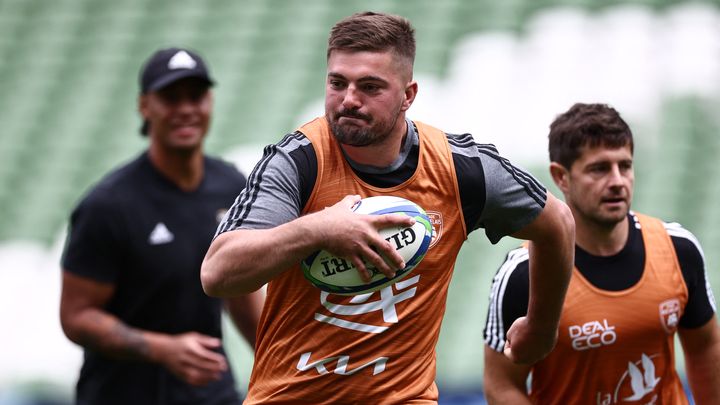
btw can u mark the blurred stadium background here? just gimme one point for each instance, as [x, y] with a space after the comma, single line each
[498, 69]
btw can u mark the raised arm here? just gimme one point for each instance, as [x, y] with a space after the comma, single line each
[242, 261]
[701, 347]
[552, 251]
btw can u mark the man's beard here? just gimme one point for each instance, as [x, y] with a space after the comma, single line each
[355, 136]
[606, 220]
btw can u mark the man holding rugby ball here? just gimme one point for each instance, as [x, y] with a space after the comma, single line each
[317, 347]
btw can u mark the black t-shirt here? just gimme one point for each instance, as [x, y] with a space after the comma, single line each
[613, 273]
[138, 231]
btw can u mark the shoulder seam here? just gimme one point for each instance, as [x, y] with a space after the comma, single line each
[235, 216]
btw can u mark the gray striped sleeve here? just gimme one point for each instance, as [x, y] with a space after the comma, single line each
[514, 198]
[272, 194]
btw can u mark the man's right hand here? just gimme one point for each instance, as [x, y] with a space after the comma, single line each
[355, 237]
[192, 357]
[525, 346]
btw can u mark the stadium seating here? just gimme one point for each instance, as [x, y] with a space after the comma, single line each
[68, 88]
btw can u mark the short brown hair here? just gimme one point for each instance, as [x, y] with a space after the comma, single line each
[370, 31]
[590, 125]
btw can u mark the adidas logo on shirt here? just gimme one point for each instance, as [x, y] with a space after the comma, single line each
[160, 235]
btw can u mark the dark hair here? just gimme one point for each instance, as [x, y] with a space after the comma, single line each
[590, 125]
[370, 31]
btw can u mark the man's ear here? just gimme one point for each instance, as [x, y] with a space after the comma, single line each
[560, 175]
[142, 105]
[411, 90]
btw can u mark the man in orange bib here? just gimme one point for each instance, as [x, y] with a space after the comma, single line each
[379, 348]
[637, 281]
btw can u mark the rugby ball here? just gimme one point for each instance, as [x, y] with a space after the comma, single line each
[339, 276]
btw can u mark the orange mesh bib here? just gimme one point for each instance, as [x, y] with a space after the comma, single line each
[379, 348]
[617, 346]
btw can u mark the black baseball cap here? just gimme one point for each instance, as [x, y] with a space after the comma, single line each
[166, 66]
[169, 65]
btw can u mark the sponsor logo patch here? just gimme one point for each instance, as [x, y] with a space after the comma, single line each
[670, 314]
[591, 335]
[436, 220]
[637, 384]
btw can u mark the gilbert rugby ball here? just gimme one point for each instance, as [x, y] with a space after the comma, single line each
[339, 276]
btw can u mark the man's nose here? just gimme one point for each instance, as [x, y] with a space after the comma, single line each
[615, 177]
[186, 104]
[351, 100]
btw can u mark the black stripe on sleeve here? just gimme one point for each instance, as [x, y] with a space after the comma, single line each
[241, 208]
[534, 189]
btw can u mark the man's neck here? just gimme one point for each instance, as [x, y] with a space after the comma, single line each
[183, 168]
[601, 240]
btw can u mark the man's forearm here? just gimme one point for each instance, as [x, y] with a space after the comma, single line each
[550, 270]
[245, 311]
[551, 260]
[504, 382]
[242, 261]
[96, 330]
[701, 347]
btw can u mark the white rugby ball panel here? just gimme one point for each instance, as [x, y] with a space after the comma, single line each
[379, 205]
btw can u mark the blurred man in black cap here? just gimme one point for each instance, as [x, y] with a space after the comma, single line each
[131, 294]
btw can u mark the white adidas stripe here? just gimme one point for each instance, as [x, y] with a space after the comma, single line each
[676, 230]
[495, 330]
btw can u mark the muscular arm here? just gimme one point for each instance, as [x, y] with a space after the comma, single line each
[551, 247]
[241, 261]
[245, 312]
[701, 347]
[503, 381]
[84, 320]
[87, 324]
